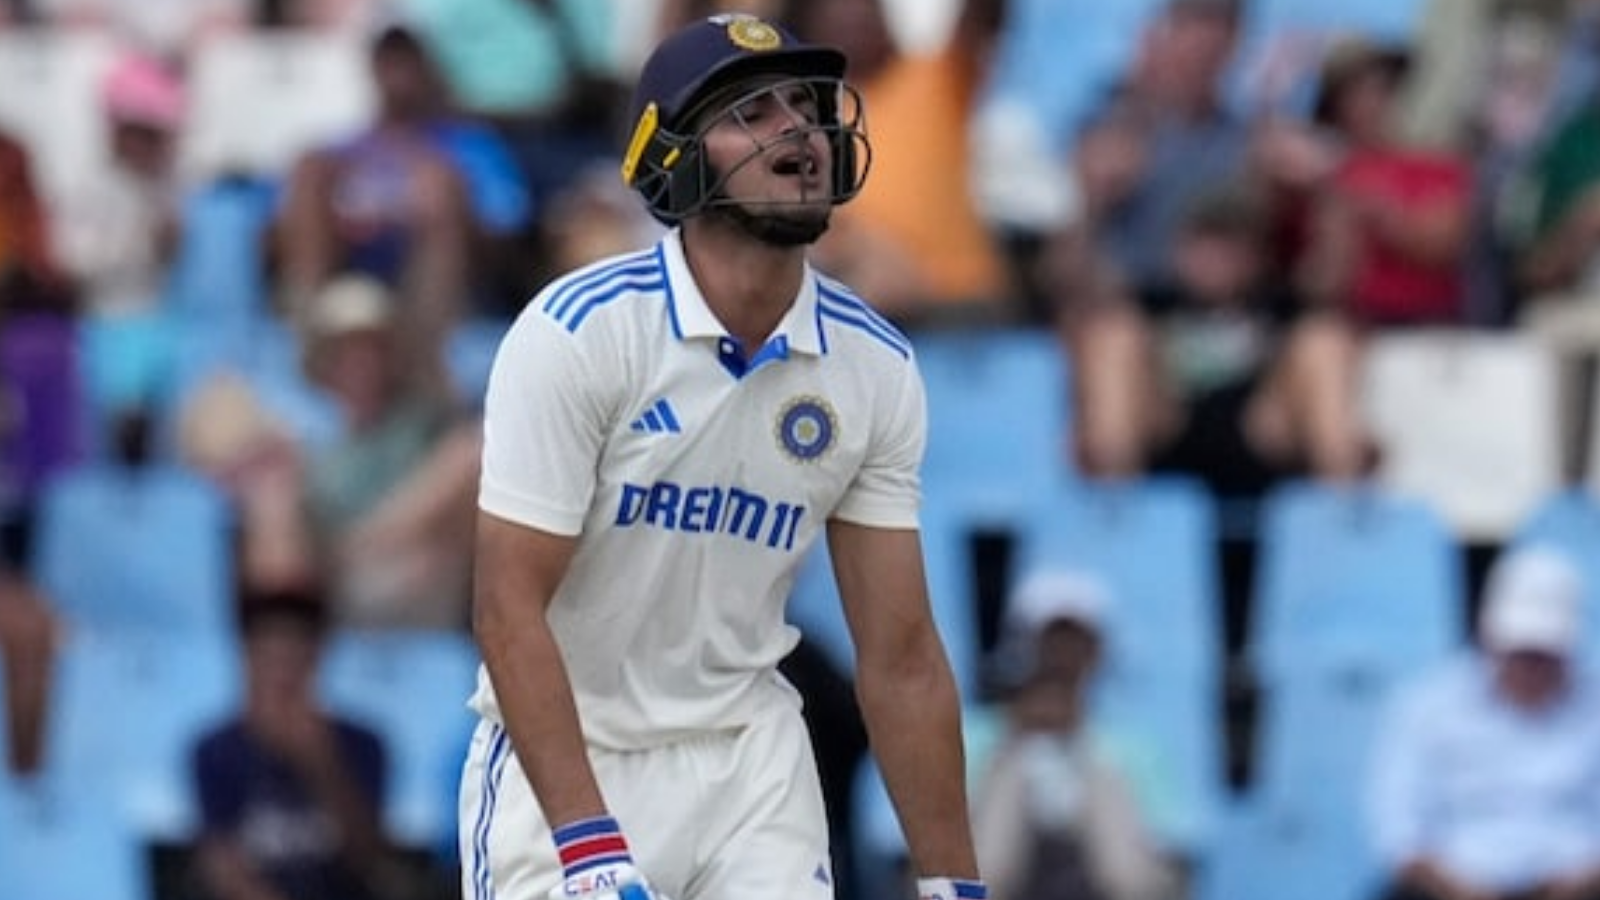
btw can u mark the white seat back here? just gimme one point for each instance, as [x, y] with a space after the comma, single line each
[257, 101]
[1468, 421]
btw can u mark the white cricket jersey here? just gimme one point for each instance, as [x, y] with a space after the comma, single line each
[618, 410]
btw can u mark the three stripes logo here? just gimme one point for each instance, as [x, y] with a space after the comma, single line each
[658, 419]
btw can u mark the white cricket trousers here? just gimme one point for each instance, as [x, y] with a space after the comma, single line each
[732, 815]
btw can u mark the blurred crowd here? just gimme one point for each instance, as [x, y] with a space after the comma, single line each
[269, 244]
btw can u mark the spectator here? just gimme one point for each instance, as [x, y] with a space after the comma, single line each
[914, 239]
[1559, 255]
[118, 227]
[1486, 781]
[391, 203]
[391, 500]
[1457, 42]
[225, 432]
[354, 18]
[290, 795]
[1388, 233]
[542, 72]
[27, 259]
[29, 632]
[1162, 137]
[1211, 373]
[39, 393]
[1056, 813]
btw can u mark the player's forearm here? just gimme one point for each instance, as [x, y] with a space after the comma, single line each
[517, 573]
[913, 718]
[535, 698]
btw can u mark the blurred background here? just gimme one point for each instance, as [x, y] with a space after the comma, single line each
[1275, 320]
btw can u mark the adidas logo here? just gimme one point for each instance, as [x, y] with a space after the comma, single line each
[658, 419]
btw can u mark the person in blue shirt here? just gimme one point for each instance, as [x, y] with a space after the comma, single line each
[1486, 781]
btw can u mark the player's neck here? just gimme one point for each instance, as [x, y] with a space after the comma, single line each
[748, 286]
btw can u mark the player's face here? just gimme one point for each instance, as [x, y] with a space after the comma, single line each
[771, 149]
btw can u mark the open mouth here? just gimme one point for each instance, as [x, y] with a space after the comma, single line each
[795, 164]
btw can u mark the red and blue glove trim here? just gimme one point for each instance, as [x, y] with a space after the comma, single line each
[589, 844]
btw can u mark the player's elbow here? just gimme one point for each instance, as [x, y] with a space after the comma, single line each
[914, 670]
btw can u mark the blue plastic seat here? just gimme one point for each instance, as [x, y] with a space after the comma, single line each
[1354, 575]
[1317, 729]
[218, 277]
[998, 415]
[66, 846]
[1357, 589]
[128, 710]
[469, 354]
[140, 549]
[1393, 20]
[412, 688]
[1153, 542]
[1240, 863]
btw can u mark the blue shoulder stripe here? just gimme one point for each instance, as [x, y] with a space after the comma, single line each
[835, 303]
[569, 301]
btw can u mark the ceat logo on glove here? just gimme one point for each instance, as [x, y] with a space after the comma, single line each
[586, 883]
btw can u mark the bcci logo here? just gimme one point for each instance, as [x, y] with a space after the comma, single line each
[806, 428]
[750, 33]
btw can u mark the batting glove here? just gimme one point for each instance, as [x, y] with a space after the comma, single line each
[951, 889]
[596, 864]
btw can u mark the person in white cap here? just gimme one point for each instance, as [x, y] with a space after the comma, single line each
[1486, 778]
[1055, 814]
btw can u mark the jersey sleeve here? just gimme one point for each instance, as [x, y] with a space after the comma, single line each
[543, 426]
[887, 490]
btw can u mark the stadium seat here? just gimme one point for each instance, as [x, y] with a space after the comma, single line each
[52, 101]
[1317, 728]
[1058, 57]
[1354, 574]
[998, 416]
[139, 549]
[1394, 20]
[1468, 421]
[1154, 542]
[129, 708]
[469, 354]
[412, 688]
[65, 846]
[218, 278]
[1238, 865]
[1570, 520]
[260, 100]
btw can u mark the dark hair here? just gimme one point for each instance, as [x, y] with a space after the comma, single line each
[298, 607]
[1345, 64]
[397, 38]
